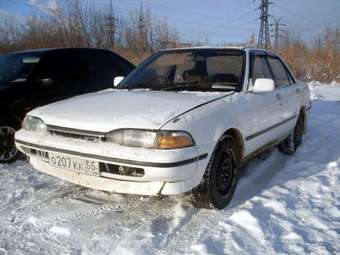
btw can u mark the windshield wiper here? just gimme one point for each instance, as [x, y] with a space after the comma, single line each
[141, 85]
[165, 86]
[176, 86]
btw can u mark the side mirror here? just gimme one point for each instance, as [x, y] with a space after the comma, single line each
[117, 80]
[46, 82]
[263, 85]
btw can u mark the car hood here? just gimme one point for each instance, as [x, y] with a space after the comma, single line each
[113, 109]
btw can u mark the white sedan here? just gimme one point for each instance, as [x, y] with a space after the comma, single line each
[183, 121]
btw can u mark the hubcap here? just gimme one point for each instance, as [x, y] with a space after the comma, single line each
[225, 174]
[7, 146]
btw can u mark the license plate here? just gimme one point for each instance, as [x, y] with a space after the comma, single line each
[79, 165]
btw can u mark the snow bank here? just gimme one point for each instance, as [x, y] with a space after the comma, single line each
[325, 92]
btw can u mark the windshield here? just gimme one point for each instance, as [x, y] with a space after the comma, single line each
[18, 67]
[198, 70]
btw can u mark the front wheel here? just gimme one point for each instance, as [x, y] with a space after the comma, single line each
[8, 151]
[220, 179]
[294, 140]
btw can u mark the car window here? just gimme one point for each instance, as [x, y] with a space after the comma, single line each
[79, 66]
[260, 69]
[279, 72]
[199, 70]
[290, 76]
[125, 66]
[101, 65]
[17, 67]
[62, 66]
[225, 70]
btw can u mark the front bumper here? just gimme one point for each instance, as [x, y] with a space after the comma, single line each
[164, 172]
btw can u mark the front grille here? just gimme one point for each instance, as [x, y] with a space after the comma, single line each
[90, 138]
[77, 134]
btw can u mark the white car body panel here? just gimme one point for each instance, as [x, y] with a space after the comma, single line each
[134, 108]
[259, 118]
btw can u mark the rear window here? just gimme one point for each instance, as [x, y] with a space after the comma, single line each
[101, 65]
[15, 68]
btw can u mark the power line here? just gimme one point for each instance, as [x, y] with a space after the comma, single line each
[243, 15]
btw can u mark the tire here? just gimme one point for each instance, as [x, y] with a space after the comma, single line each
[8, 151]
[294, 140]
[220, 178]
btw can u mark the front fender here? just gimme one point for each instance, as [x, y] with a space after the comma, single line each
[210, 122]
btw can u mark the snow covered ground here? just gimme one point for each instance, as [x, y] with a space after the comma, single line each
[283, 205]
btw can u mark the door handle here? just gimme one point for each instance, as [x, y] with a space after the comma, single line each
[278, 96]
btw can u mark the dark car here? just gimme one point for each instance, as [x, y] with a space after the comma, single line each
[37, 77]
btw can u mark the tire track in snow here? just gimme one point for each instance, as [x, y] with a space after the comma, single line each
[76, 215]
[40, 228]
[140, 213]
[45, 202]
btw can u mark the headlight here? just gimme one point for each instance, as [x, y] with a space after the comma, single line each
[34, 124]
[151, 139]
[133, 138]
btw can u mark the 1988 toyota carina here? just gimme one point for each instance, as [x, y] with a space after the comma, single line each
[183, 121]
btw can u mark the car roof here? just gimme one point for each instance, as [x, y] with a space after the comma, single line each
[26, 51]
[45, 50]
[218, 48]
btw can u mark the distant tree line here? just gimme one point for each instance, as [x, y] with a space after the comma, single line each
[139, 34]
[75, 24]
[319, 61]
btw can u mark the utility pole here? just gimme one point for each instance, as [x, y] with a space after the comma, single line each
[319, 43]
[142, 36]
[110, 26]
[277, 29]
[264, 37]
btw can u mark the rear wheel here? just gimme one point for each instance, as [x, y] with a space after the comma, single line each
[219, 181]
[294, 140]
[8, 151]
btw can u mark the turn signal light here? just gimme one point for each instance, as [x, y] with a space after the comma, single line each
[173, 140]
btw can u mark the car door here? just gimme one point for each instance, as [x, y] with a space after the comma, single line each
[265, 106]
[287, 93]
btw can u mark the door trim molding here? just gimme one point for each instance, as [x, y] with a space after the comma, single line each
[270, 128]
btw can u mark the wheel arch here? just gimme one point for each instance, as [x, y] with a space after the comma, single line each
[201, 194]
[236, 134]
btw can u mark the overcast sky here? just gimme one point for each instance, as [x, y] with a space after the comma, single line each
[215, 20]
